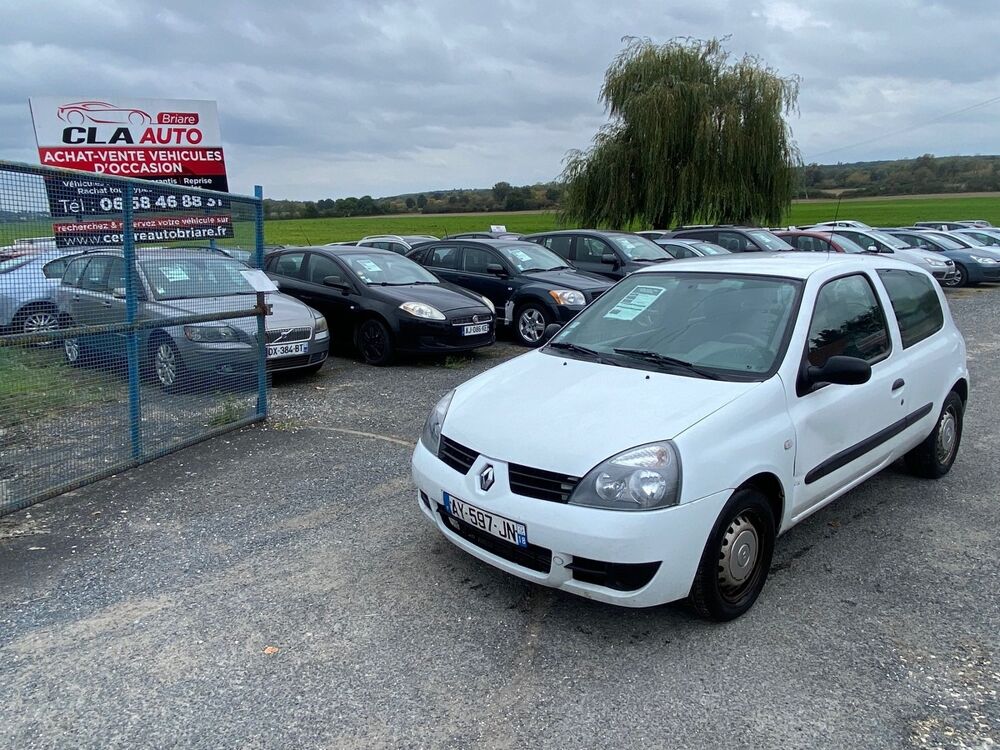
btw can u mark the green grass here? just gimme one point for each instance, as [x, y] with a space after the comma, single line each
[35, 383]
[899, 211]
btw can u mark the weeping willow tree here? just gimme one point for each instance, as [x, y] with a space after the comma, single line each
[692, 135]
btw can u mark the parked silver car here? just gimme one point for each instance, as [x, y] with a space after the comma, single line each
[176, 283]
[876, 241]
[27, 291]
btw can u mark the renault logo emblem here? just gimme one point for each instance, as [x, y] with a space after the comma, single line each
[486, 478]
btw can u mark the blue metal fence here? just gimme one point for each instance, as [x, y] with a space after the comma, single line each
[130, 324]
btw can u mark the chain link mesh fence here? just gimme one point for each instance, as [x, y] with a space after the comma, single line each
[130, 324]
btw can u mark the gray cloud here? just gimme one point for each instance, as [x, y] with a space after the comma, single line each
[328, 99]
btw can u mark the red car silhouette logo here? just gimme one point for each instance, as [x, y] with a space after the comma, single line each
[102, 113]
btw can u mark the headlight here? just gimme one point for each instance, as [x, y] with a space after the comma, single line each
[935, 262]
[981, 259]
[641, 478]
[431, 436]
[489, 304]
[568, 297]
[420, 310]
[320, 324]
[210, 334]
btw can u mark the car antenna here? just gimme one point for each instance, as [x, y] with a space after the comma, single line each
[833, 227]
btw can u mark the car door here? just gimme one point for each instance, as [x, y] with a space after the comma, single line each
[588, 255]
[475, 276]
[445, 261]
[845, 432]
[339, 305]
[288, 270]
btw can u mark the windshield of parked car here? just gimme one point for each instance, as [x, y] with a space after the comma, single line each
[889, 240]
[639, 248]
[386, 269]
[12, 263]
[707, 248]
[848, 245]
[527, 256]
[195, 277]
[722, 326]
[946, 243]
[769, 240]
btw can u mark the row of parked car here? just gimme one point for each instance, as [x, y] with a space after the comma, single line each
[389, 294]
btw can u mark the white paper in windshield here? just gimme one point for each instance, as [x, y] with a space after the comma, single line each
[369, 265]
[521, 256]
[174, 273]
[635, 302]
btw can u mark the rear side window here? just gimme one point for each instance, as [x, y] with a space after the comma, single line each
[848, 320]
[54, 269]
[915, 303]
[560, 245]
[74, 271]
[289, 264]
[443, 257]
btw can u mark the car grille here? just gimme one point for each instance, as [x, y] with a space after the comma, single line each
[532, 557]
[541, 484]
[466, 320]
[456, 455]
[287, 336]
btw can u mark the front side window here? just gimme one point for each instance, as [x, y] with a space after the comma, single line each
[95, 277]
[847, 320]
[74, 271]
[915, 304]
[735, 242]
[590, 250]
[477, 259]
[721, 326]
[320, 267]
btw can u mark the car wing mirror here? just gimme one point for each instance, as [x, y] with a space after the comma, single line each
[337, 283]
[840, 370]
[550, 330]
[610, 258]
[496, 269]
[118, 292]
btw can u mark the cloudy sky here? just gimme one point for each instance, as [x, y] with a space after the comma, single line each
[320, 98]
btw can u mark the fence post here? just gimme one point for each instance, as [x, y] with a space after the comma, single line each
[258, 192]
[131, 310]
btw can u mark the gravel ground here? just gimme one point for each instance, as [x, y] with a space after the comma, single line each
[277, 587]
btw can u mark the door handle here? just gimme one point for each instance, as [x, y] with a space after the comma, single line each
[898, 384]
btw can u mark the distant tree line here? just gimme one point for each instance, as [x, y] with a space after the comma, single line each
[925, 174]
[501, 197]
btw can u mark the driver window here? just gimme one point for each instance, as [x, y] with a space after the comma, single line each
[320, 267]
[476, 259]
[590, 250]
[848, 320]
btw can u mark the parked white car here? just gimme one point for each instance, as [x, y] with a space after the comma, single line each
[657, 445]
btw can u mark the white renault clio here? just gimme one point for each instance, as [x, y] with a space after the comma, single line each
[657, 445]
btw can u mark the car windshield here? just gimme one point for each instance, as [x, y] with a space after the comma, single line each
[12, 263]
[385, 269]
[190, 278]
[722, 326]
[848, 245]
[889, 240]
[707, 248]
[947, 243]
[638, 248]
[769, 240]
[527, 256]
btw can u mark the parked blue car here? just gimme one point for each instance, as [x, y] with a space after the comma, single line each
[27, 291]
[973, 265]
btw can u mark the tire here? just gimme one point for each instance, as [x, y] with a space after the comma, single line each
[962, 279]
[529, 324]
[374, 342]
[736, 559]
[37, 319]
[166, 364]
[933, 458]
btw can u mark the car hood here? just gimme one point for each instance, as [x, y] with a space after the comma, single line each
[286, 312]
[568, 415]
[443, 297]
[569, 278]
[917, 255]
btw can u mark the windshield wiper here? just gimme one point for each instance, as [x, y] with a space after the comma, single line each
[663, 359]
[400, 283]
[577, 349]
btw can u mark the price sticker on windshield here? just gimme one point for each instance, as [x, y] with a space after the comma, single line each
[634, 303]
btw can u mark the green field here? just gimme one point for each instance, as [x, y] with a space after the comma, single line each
[877, 212]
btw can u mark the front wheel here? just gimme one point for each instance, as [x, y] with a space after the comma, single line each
[736, 559]
[167, 365]
[933, 458]
[375, 342]
[530, 322]
[961, 277]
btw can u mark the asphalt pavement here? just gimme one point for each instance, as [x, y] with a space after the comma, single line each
[277, 587]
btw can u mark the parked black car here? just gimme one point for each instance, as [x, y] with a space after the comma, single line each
[384, 302]
[735, 239]
[530, 286]
[611, 254]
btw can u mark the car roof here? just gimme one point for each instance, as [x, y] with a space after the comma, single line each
[346, 250]
[787, 264]
[492, 242]
[598, 232]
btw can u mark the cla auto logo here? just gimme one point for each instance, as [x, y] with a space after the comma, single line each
[486, 478]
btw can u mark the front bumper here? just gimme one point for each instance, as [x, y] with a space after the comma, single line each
[943, 274]
[565, 540]
[416, 335]
[979, 272]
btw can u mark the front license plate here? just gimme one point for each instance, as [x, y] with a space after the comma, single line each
[476, 330]
[498, 526]
[287, 350]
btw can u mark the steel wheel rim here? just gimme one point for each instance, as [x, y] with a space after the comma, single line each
[40, 322]
[739, 557]
[71, 347]
[531, 324]
[372, 342]
[166, 364]
[947, 435]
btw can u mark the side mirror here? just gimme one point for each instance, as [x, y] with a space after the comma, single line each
[496, 269]
[550, 330]
[337, 283]
[610, 258]
[118, 292]
[839, 370]
[872, 249]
